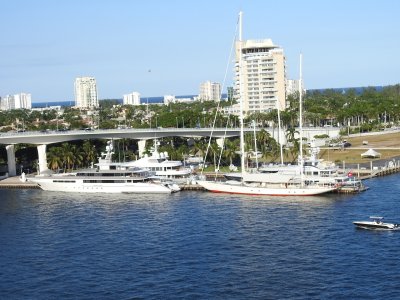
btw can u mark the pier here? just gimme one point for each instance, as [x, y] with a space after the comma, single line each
[380, 169]
[15, 183]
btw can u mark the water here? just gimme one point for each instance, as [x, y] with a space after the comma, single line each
[198, 245]
[143, 100]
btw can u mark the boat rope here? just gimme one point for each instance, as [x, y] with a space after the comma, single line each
[218, 106]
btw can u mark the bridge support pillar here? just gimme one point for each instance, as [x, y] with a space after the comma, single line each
[141, 146]
[42, 158]
[12, 171]
[220, 142]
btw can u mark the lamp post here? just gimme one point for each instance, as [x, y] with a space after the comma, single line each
[176, 122]
[183, 123]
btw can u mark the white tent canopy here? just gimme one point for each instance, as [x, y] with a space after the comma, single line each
[370, 153]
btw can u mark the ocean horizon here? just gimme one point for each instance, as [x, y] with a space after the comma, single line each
[160, 99]
[144, 100]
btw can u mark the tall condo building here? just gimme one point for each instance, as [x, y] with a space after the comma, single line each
[210, 91]
[292, 86]
[263, 75]
[132, 99]
[17, 101]
[86, 92]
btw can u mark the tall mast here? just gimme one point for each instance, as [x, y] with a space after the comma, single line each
[279, 131]
[301, 119]
[241, 96]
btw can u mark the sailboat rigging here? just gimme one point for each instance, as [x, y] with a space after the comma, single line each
[261, 183]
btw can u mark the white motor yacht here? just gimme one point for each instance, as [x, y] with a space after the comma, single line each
[107, 177]
[164, 170]
[376, 224]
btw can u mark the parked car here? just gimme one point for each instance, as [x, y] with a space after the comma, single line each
[346, 144]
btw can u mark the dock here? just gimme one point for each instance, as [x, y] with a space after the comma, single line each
[15, 183]
[390, 167]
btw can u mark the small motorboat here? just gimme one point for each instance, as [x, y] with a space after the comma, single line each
[376, 223]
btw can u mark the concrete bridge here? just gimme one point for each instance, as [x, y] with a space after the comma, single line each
[44, 138]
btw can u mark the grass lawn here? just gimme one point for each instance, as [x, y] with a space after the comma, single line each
[387, 144]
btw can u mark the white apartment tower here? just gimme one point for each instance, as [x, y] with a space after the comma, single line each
[262, 75]
[292, 86]
[17, 101]
[132, 99]
[23, 100]
[210, 91]
[86, 92]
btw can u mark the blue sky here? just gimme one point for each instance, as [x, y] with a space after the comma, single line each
[46, 44]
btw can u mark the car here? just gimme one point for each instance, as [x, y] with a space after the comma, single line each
[346, 144]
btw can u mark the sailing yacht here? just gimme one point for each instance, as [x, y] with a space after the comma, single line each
[265, 183]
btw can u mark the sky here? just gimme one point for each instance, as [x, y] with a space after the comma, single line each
[159, 47]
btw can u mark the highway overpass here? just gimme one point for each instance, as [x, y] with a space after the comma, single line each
[43, 138]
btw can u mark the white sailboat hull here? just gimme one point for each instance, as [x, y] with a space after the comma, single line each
[276, 190]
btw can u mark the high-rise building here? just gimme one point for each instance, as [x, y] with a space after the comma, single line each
[17, 101]
[132, 99]
[86, 92]
[292, 86]
[263, 75]
[210, 91]
[23, 100]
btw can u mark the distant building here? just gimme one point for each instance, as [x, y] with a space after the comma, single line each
[132, 99]
[17, 101]
[86, 92]
[232, 110]
[230, 93]
[263, 75]
[5, 102]
[184, 100]
[292, 86]
[169, 99]
[210, 91]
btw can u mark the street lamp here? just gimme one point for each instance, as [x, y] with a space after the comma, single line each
[183, 123]
[176, 122]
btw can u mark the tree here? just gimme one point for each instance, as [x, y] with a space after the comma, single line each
[89, 153]
[53, 158]
[231, 148]
[295, 142]
[68, 156]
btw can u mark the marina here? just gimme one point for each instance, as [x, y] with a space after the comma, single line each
[158, 246]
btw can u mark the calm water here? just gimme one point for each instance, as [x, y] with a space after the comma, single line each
[197, 245]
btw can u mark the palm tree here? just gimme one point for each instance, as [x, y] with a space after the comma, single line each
[78, 156]
[53, 158]
[295, 142]
[199, 147]
[216, 150]
[231, 148]
[67, 153]
[89, 154]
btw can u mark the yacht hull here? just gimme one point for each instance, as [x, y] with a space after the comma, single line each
[77, 185]
[376, 226]
[277, 190]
